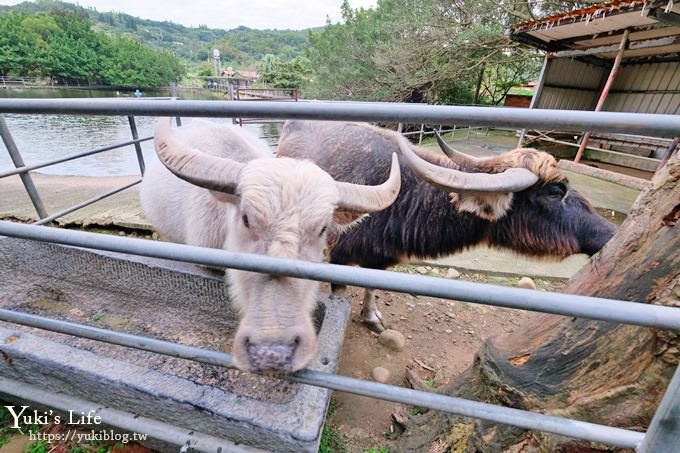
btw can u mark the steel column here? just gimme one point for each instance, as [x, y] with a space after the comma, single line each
[18, 161]
[173, 95]
[657, 125]
[138, 146]
[486, 411]
[663, 435]
[85, 203]
[27, 168]
[639, 314]
[605, 91]
[537, 94]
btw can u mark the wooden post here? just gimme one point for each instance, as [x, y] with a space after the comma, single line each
[605, 91]
[537, 94]
[669, 152]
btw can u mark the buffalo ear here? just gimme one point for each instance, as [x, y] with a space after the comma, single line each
[488, 206]
[225, 197]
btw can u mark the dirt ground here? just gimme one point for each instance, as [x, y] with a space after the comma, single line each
[441, 339]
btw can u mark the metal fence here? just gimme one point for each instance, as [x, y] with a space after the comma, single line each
[664, 431]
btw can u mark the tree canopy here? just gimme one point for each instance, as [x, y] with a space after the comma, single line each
[423, 51]
[63, 45]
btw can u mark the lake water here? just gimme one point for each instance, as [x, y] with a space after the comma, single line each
[45, 137]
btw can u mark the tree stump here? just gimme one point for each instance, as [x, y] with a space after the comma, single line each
[588, 370]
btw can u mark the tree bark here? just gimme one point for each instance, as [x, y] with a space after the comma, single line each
[594, 371]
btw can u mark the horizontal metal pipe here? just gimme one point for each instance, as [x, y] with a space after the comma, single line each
[562, 304]
[499, 414]
[194, 441]
[27, 168]
[73, 208]
[629, 123]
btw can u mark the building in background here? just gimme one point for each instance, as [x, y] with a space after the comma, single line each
[620, 56]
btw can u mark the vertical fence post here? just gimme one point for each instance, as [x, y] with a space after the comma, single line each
[138, 146]
[18, 161]
[663, 435]
[173, 95]
[422, 130]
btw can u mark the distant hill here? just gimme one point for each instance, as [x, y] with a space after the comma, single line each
[241, 46]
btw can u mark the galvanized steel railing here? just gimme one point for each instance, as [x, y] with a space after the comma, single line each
[664, 431]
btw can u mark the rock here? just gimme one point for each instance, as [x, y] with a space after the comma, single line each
[154, 236]
[121, 233]
[452, 273]
[448, 331]
[392, 339]
[380, 374]
[527, 283]
[421, 270]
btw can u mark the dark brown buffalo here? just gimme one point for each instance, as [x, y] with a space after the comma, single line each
[462, 204]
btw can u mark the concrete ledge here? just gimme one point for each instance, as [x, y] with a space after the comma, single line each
[622, 159]
[606, 175]
[152, 298]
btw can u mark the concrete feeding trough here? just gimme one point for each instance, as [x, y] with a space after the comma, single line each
[164, 300]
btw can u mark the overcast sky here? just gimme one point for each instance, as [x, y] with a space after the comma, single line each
[227, 14]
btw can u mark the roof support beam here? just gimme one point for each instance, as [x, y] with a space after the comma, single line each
[605, 91]
[635, 45]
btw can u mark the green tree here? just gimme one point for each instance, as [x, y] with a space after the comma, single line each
[63, 45]
[412, 50]
[284, 74]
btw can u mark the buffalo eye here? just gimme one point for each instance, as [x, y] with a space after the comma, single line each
[323, 230]
[556, 190]
[245, 221]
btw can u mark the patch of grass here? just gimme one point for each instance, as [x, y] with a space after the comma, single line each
[6, 429]
[79, 450]
[38, 447]
[416, 411]
[378, 450]
[429, 383]
[332, 441]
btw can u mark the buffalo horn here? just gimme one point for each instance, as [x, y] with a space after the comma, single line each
[361, 198]
[461, 159]
[196, 167]
[511, 180]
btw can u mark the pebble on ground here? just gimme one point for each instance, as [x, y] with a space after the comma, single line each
[392, 339]
[380, 374]
[527, 283]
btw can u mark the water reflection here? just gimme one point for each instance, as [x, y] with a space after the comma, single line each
[46, 137]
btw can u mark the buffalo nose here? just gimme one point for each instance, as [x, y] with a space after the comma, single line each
[271, 356]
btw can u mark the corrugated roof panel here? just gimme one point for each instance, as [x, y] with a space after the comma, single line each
[643, 35]
[597, 25]
[567, 99]
[573, 73]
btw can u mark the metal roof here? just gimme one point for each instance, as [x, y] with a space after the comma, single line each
[654, 26]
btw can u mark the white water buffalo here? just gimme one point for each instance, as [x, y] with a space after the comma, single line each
[220, 187]
[517, 200]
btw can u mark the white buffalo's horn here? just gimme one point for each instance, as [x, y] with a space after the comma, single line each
[459, 158]
[360, 198]
[196, 167]
[511, 180]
